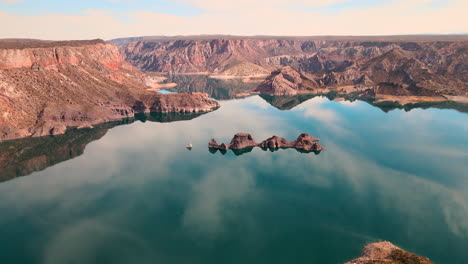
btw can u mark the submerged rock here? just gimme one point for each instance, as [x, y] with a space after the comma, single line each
[241, 141]
[386, 252]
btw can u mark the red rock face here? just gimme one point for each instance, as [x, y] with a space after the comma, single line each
[413, 67]
[52, 58]
[46, 87]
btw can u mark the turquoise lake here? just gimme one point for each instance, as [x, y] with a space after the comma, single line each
[130, 192]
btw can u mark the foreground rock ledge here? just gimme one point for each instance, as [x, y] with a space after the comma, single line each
[387, 253]
[304, 142]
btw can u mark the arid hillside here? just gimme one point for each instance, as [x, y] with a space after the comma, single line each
[47, 86]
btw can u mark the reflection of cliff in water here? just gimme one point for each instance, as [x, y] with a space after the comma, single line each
[239, 152]
[24, 156]
[167, 117]
[288, 102]
[220, 89]
[236, 152]
[389, 106]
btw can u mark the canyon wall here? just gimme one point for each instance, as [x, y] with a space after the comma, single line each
[47, 86]
[394, 66]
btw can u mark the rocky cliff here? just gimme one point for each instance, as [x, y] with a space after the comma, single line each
[47, 86]
[393, 65]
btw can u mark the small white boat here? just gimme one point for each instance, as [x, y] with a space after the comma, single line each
[189, 146]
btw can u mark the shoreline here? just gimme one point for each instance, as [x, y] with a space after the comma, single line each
[159, 86]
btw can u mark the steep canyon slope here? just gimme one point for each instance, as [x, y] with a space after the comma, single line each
[47, 86]
[399, 65]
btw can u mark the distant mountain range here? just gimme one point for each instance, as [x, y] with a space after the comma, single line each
[423, 64]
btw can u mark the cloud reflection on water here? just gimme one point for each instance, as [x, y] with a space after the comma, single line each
[137, 170]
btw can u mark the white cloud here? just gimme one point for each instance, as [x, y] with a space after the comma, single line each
[244, 5]
[397, 17]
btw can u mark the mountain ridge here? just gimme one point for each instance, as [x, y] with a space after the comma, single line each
[438, 65]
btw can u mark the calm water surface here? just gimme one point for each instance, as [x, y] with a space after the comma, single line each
[130, 192]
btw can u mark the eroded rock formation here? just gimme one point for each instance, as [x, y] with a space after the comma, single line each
[48, 86]
[242, 141]
[387, 253]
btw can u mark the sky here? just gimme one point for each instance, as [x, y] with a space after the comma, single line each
[109, 19]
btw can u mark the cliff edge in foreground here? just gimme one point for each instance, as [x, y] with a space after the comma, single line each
[48, 86]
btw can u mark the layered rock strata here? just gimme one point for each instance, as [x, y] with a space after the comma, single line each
[48, 86]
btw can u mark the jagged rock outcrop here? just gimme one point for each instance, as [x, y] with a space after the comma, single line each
[240, 141]
[287, 81]
[213, 144]
[307, 143]
[412, 65]
[276, 142]
[387, 253]
[304, 142]
[48, 86]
